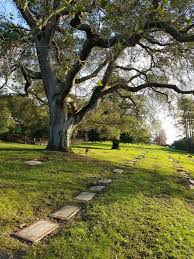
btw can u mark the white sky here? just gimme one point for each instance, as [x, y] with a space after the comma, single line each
[168, 124]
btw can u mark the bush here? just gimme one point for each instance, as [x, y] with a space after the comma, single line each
[184, 144]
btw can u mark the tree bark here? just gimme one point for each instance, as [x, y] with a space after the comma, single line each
[60, 128]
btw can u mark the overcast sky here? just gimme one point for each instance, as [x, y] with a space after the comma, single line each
[168, 124]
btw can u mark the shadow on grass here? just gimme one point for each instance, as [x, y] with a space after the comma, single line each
[21, 149]
[155, 185]
[133, 182]
[17, 255]
[91, 146]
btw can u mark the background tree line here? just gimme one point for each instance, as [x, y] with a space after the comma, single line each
[118, 119]
[185, 122]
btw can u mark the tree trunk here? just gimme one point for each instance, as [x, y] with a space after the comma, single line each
[115, 144]
[60, 128]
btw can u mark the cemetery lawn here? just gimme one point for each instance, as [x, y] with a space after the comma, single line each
[146, 212]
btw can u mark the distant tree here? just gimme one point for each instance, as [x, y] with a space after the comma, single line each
[182, 144]
[6, 120]
[139, 135]
[32, 117]
[118, 115]
[160, 138]
[23, 115]
[185, 116]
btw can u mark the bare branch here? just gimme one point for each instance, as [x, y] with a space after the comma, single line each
[110, 68]
[54, 16]
[123, 84]
[135, 69]
[156, 42]
[76, 23]
[58, 52]
[150, 53]
[30, 73]
[92, 104]
[93, 74]
[26, 13]
[158, 92]
[84, 54]
[176, 34]
[127, 97]
[37, 97]
[28, 76]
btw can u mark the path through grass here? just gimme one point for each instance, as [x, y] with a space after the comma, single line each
[147, 212]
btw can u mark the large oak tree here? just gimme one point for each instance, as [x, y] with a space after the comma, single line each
[97, 48]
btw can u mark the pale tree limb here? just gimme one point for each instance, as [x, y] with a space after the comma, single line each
[28, 76]
[30, 73]
[38, 98]
[157, 42]
[26, 13]
[93, 74]
[147, 85]
[176, 34]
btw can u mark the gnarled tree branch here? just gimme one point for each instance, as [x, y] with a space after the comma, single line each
[176, 34]
[93, 74]
[26, 13]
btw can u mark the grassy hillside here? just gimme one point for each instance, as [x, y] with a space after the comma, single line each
[147, 212]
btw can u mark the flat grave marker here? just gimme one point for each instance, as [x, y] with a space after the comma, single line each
[66, 212]
[85, 196]
[117, 170]
[33, 162]
[183, 173]
[97, 188]
[105, 181]
[179, 170]
[191, 181]
[130, 162]
[36, 231]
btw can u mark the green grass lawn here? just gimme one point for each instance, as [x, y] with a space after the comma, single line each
[147, 212]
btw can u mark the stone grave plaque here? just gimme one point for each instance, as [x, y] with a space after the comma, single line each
[97, 188]
[33, 162]
[191, 181]
[65, 212]
[184, 174]
[117, 170]
[36, 231]
[85, 196]
[105, 181]
[179, 169]
[130, 162]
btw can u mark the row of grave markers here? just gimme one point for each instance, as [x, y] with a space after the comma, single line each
[41, 228]
[183, 172]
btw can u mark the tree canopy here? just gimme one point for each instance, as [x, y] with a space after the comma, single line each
[96, 48]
